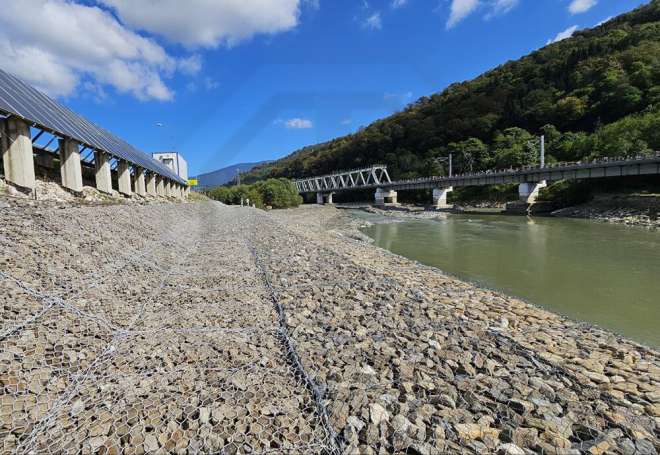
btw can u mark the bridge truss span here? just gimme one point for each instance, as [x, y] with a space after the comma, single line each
[367, 177]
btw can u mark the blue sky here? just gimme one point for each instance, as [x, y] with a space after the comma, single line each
[225, 82]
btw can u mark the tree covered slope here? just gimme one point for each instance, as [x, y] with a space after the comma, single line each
[595, 94]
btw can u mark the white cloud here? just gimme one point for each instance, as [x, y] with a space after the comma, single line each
[399, 3]
[564, 34]
[459, 10]
[209, 23]
[59, 46]
[313, 4]
[298, 123]
[499, 7]
[581, 6]
[191, 65]
[346, 121]
[374, 21]
[607, 19]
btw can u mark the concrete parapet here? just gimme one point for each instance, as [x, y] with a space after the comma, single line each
[124, 172]
[440, 197]
[103, 172]
[17, 153]
[70, 168]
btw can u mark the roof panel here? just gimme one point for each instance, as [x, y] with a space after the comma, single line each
[21, 99]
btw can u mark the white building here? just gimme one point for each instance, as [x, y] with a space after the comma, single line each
[174, 161]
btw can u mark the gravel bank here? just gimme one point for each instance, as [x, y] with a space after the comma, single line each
[415, 360]
[199, 328]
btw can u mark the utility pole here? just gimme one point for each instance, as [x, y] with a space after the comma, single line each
[542, 151]
[450, 164]
[238, 177]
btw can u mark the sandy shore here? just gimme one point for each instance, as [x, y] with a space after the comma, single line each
[199, 328]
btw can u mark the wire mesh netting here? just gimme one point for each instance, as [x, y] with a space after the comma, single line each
[150, 333]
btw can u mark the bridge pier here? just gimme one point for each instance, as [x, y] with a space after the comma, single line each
[382, 197]
[529, 192]
[324, 198]
[440, 197]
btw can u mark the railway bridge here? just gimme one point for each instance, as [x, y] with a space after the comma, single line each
[529, 179]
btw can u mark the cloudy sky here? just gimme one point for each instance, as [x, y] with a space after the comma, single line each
[228, 81]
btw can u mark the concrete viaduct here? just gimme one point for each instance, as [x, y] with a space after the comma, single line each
[84, 150]
[529, 179]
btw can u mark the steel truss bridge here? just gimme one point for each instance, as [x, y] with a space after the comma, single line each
[377, 177]
[373, 176]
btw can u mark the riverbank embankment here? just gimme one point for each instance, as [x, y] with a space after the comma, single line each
[413, 358]
[202, 328]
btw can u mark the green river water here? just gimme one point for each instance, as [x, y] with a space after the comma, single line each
[601, 273]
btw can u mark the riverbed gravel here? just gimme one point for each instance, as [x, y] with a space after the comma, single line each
[202, 328]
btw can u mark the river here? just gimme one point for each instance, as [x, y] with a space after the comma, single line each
[601, 273]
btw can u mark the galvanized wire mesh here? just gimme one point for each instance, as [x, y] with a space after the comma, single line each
[148, 330]
[418, 362]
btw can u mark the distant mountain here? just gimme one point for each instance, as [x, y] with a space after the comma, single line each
[225, 175]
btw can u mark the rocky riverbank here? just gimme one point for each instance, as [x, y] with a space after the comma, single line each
[201, 328]
[630, 210]
[415, 360]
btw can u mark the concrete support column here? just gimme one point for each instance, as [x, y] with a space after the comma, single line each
[140, 183]
[151, 184]
[319, 198]
[70, 168]
[440, 197]
[103, 172]
[17, 154]
[124, 172]
[328, 198]
[160, 186]
[168, 188]
[529, 192]
[382, 196]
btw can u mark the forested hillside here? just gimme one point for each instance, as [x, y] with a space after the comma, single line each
[595, 94]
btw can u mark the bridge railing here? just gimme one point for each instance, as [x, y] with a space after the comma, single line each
[490, 172]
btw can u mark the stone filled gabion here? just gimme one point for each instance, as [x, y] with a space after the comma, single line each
[201, 328]
[143, 330]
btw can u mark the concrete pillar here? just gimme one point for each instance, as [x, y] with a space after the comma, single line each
[319, 198]
[140, 184]
[328, 198]
[70, 168]
[529, 192]
[103, 173]
[382, 195]
[440, 197]
[160, 186]
[17, 154]
[124, 172]
[187, 191]
[151, 184]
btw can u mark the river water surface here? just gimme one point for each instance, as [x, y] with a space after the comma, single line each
[601, 273]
